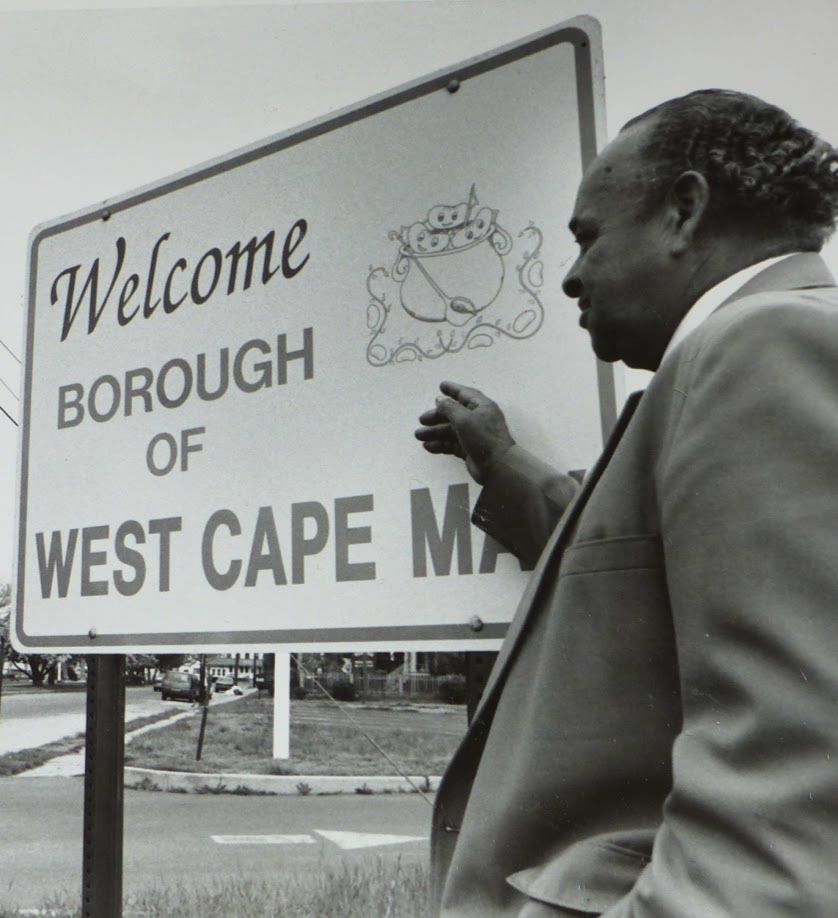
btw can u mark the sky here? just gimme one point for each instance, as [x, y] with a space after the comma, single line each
[100, 100]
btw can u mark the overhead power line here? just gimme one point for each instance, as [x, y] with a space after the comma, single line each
[9, 389]
[9, 350]
[9, 416]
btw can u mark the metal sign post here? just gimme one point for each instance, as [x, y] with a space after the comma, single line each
[479, 664]
[205, 700]
[103, 787]
[282, 705]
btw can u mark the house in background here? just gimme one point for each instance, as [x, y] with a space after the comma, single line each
[227, 665]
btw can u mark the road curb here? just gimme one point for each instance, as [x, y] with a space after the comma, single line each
[299, 785]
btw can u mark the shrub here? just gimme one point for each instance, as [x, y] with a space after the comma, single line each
[344, 691]
[452, 690]
[242, 790]
[298, 692]
[146, 784]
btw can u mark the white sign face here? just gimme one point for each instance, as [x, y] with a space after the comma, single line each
[224, 371]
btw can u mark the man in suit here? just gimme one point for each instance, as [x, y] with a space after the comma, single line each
[659, 735]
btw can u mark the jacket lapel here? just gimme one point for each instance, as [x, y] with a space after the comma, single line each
[552, 553]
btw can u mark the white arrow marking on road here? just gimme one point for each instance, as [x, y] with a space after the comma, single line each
[350, 840]
[263, 839]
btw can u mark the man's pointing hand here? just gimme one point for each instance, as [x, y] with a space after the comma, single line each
[467, 424]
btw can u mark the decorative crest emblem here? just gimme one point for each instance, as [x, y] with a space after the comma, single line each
[450, 286]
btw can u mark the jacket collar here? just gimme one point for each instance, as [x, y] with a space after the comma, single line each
[797, 272]
[780, 272]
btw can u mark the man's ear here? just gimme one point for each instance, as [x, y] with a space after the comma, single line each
[689, 198]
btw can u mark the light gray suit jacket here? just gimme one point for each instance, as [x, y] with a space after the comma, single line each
[659, 736]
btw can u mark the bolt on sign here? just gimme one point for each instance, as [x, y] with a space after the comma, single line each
[224, 371]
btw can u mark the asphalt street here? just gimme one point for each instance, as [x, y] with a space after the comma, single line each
[37, 702]
[173, 838]
[33, 718]
[186, 838]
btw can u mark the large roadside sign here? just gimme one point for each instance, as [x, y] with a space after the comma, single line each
[223, 371]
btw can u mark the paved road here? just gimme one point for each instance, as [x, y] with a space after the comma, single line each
[23, 705]
[168, 837]
[35, 718]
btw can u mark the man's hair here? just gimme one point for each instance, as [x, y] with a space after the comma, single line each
[765, 171]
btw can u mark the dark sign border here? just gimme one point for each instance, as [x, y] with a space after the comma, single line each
[573, 34]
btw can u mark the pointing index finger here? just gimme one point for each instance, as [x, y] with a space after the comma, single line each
[465, 395]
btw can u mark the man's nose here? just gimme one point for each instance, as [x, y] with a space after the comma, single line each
[571, 285]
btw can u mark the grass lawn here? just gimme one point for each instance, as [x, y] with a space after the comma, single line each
[239, 739]
[371, 889]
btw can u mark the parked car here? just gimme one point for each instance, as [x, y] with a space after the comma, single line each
[180, 685]
[224, 685]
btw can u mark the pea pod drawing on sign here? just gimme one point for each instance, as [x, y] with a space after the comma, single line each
[459, 280]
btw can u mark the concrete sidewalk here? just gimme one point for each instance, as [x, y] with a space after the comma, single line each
[31, 732]
[71, 764]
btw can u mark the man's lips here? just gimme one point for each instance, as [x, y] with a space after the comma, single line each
[585, 307]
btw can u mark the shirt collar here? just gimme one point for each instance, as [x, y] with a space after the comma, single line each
[710, 301]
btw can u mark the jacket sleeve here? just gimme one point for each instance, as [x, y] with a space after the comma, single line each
[521, 502]
[748, 495]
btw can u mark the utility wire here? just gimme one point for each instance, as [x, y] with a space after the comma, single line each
[10, 390]
[10, 351]
[358, 727]
[9, 416]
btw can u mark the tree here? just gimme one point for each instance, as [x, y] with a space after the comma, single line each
[447, 664]
[166, 661]
[387, 661]
[137, 666]
[39, 667]
[5, 609]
